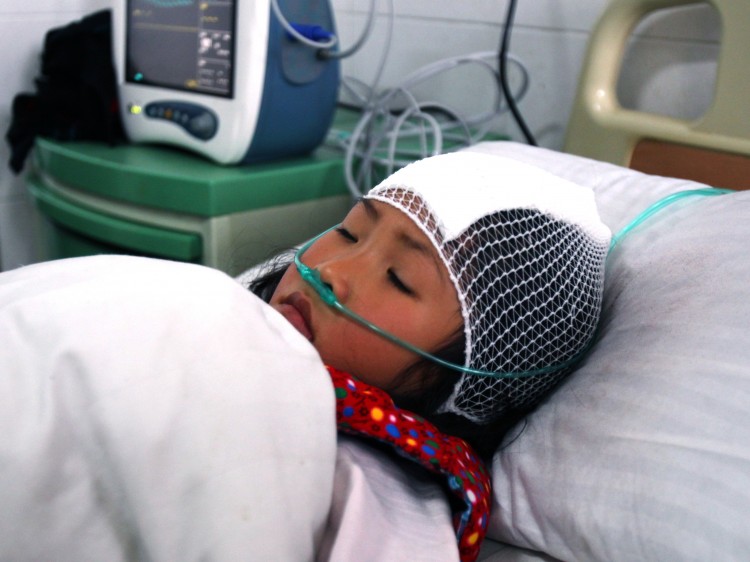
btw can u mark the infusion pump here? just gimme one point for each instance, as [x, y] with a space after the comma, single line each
[223, 78]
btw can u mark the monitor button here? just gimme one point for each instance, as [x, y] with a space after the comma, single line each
[203, 125]
[197, 120]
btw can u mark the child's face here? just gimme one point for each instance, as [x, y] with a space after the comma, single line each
[381, 266]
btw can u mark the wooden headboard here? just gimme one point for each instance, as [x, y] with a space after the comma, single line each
[714, 149]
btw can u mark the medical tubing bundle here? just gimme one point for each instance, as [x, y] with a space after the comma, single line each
[372, 148]
[373, 144]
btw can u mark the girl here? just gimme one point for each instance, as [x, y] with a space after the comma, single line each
[465, 286]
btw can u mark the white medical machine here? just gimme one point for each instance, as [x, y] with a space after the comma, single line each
[224, 78]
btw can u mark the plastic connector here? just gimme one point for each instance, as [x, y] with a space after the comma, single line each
[312, 32]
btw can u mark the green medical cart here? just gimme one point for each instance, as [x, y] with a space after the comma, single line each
[161, 202]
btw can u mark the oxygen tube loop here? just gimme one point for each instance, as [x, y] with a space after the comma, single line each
[324, 291]
[312, 277]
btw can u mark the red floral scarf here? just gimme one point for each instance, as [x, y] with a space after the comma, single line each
[367, 411]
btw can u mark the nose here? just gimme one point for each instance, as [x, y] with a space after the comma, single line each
[338, 273]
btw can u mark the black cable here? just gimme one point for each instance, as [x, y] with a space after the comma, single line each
[503, 68]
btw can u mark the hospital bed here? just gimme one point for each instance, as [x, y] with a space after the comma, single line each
[643, 453]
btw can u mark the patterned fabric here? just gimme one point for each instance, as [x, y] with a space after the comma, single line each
[367, 411]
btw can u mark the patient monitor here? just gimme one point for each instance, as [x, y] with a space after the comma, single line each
[224, 78]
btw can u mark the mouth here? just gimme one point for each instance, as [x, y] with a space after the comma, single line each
[296, 309]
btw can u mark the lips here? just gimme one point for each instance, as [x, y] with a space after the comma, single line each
[296, 309]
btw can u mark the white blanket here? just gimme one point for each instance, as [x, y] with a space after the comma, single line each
[153, 410]
[157, 411]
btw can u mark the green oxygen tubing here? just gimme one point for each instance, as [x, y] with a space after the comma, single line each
[324, 291]
[312, 277]
[659, 205]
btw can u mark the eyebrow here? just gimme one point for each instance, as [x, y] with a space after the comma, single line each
[410, 242]
[372, 212]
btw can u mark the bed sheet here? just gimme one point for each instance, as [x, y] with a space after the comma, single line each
[494, 551]
[385, 508]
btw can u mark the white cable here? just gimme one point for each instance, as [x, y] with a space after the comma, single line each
[377, 125]
[386, 50]
[359, 42]
[433, 126]
[349, 83]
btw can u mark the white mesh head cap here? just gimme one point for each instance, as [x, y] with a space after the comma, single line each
[525, 251]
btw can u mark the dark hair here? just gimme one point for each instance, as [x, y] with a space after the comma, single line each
[264, 284]
[435, 383]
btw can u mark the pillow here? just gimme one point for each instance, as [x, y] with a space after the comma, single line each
[644, 452]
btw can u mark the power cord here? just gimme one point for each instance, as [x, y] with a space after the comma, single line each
[503, 57]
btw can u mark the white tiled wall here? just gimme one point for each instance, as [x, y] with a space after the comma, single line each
[670, 69]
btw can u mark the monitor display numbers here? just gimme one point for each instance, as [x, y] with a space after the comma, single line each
[181, 44]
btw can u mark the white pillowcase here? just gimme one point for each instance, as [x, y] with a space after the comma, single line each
[644, 452]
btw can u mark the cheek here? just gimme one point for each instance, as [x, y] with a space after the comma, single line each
[364, 354]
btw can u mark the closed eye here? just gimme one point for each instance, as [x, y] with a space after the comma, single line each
[396, 282]
[346, 234]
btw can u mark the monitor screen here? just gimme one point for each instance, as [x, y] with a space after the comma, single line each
[182, 44]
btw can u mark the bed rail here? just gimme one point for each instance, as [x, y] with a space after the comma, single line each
[713, 149]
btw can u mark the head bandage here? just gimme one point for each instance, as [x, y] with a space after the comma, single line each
[525, 251]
